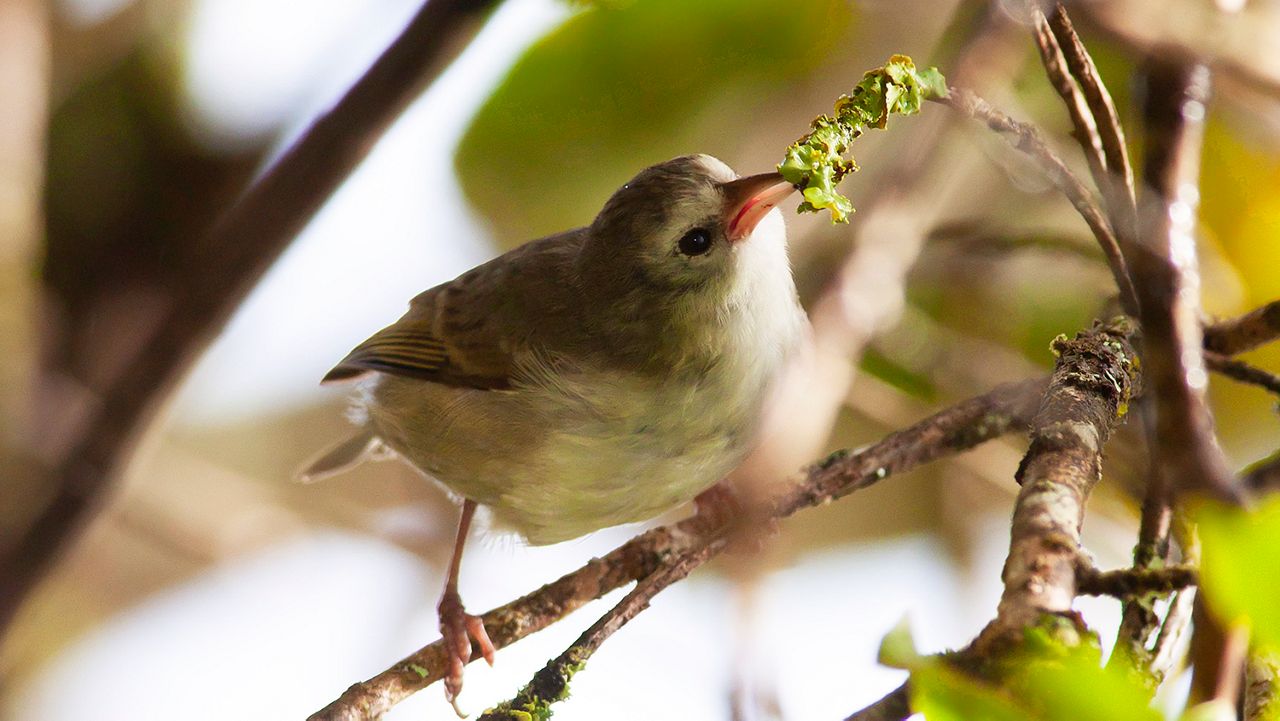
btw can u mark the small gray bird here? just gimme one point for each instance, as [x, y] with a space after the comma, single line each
[600, 376]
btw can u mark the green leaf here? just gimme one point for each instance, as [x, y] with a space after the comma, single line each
[1078, 688]
[816, 162]
[942, 694]
[898, 648]
[1240, 571]
[1048, 678]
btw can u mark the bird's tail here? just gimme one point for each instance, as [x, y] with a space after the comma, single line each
[341, 458]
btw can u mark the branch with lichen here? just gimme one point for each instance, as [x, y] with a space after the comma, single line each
[960, 427]
[1095, 377]
[816, 163]
[1094, 380]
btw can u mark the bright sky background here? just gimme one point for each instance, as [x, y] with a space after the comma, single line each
[271, 635]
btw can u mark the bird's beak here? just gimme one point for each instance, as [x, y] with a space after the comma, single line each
[747, 200]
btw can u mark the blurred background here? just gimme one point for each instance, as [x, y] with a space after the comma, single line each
[213, 587]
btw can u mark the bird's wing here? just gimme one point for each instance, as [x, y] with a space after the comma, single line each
[470, 331]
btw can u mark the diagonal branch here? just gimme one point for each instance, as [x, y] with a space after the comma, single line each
[1055, 67]
[1240, 371]
[1106, 119]
[1093, 382]
[236, 252]
[960, 427]
[551, 683]
[1026, 139]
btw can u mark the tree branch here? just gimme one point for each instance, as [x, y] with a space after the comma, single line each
[1264, 476]
[1093, 382]
[1103, 109]
[1026, 139]
[955, 429]
[1168, 283]
[1129, 582]
[1237, 335]
[1086, 129]
[1243, 372]
[551, 683]
[236, 251]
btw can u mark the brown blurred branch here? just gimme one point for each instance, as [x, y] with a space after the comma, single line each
[233, 255]
[957, 428]
[1237, 335]
[1128, 582]
[1026, 138]
[24, 55]
[1169, 283]
[1264, 476]
[1243, 372]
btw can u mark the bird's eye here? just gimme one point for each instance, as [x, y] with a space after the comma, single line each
[695, 242]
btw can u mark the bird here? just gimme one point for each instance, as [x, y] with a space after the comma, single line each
[599, 376]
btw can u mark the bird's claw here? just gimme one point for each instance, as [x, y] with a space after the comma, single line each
[458, 628]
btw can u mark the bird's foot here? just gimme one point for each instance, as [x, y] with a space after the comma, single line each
[458, 628]
[718, 506]
[748, 527]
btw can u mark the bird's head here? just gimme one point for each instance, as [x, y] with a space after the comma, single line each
[688, 224]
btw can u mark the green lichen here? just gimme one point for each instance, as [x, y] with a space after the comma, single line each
[816, 163]
[549, 686]
[422, 672]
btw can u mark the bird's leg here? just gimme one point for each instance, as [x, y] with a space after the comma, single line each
[457, 627]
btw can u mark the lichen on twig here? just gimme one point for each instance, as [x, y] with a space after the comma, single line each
[816, 163]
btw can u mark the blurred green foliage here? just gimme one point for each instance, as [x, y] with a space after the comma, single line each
[1045, 679]
[617, 88]
[1240, 571]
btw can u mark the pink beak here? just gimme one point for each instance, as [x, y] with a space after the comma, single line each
[749, 199]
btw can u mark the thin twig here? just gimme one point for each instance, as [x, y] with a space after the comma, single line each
[236, 252]
[1139, 622]
[1263, 477]
[1237, 335]
[1240, 371]
[551, 683]
[958, 428]
[1127, 582]
[1086, 130]
[1106, 120]
[1026, 138]
[1174, 628]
